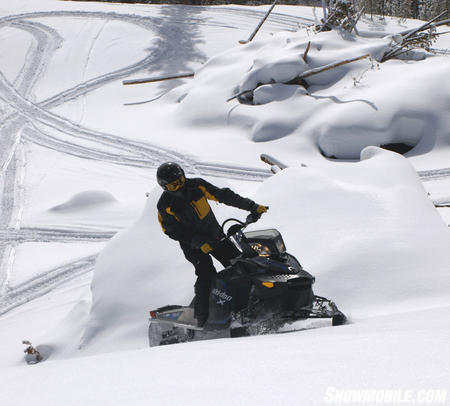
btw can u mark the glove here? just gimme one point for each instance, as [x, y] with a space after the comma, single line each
[258, 209]
[206, 248]
[198, 243]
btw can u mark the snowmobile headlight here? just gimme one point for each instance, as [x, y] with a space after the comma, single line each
[262, 250]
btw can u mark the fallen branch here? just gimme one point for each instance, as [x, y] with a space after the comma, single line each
[423, 26]
[438, 24]
[353, 26]
[270, 160]
[157, 79]
[441, 204]
[299, 79]
[240, 94]
[415, 38]
[321, 69]
[252, 35]
[305, 54]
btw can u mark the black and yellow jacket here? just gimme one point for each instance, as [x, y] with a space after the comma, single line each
[186, 214]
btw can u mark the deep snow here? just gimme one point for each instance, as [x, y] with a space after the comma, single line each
[366, 227]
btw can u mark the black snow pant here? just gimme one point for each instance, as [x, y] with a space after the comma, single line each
[205, 271]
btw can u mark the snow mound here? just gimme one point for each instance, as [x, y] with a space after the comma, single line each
[85, 200]
[366, 230]
[342, 111]
[139, 269]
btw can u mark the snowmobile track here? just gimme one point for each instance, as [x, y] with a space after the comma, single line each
[44, 283]
[434, 174]
[152, 154]
[26, 234]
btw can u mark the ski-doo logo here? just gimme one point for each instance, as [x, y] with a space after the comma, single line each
[223, 297]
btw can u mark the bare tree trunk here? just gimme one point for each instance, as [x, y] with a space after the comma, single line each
[324, 7]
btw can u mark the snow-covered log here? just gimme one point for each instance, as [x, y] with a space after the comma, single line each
[299, 80]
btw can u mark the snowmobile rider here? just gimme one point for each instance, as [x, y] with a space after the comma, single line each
[186, 216]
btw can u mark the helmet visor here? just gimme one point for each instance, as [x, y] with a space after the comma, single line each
[176, 184]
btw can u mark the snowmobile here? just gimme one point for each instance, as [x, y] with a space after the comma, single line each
[265, 290]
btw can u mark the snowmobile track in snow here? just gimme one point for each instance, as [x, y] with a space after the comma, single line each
[44, 283]
[26, 234]
[152, 155]
[434, 174]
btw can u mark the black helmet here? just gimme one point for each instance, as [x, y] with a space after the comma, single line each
[170, 173]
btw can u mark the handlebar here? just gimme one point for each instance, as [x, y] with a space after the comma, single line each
[251, 218]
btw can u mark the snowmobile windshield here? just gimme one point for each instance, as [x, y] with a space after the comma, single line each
[268, 242]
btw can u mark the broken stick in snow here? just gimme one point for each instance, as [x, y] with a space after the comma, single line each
[33, 356]
[299, 79]
[252, 35]
[305, 54]
[415, 38]
[273, 162]
[157, 79]
[320, 69]
[424, 26]
[358, 16]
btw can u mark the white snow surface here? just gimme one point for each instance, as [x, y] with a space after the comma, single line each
[77, 155]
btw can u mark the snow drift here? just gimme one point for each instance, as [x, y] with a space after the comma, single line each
[366, 230]
[85, 200]
[342, 111]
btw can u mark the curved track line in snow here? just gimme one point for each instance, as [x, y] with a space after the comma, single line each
[135, 148]
[48, 40]
[275, 19]
[44, 283]
[81, 151]
[154, 155]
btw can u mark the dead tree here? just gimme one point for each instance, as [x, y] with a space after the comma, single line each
[415, 38]
[252, 35]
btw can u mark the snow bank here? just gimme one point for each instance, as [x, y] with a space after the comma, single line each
[139, 269]
[367, 231]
